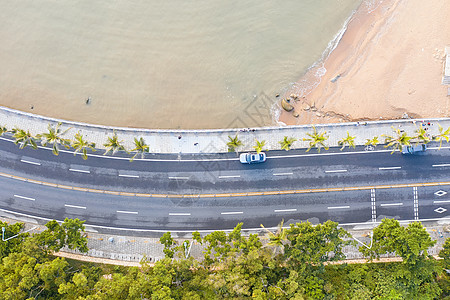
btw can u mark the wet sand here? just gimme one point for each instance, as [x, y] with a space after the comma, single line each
[388, 63]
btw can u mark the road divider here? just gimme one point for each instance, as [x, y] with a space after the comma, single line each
[212, 195]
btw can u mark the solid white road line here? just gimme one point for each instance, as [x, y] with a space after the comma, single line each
[179, 214]
[127, 212]
[389, 168]
[81, 171]
[30, 162]
[232, 213]
[74, 206]
[441, 201]
[338, 207]
[175, 177]
[282, 174]
[392, 204]
[230, 176]
[441, 165]
[23, 197]
[335, 171]
[129, 176]
[285, 210]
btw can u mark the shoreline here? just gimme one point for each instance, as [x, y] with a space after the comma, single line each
[370, 75]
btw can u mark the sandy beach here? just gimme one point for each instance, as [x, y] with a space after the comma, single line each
[389, 62]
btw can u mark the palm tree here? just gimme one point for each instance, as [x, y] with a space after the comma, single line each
[259, 146]
[113, 144]
[422, 135]
[278, 238]
[141, 148]
[3, 130]
[233, 143]
[54, 137]
[349, 140]
[397, 142]
[316, 140]
[443, 135]
[24, 138]
[286, 143]
[374, 141]
[80, 144]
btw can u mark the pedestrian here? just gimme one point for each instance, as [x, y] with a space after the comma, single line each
[179, 137]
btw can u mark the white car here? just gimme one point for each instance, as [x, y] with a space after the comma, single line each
[252, 158]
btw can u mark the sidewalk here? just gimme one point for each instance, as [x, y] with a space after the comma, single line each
[215, 140]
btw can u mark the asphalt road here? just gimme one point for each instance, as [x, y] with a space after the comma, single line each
[209, 192]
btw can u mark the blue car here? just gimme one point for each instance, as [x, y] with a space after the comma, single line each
[252, 158]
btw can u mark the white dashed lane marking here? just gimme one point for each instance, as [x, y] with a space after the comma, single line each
[23, 197]
[338, 207]
[80, 171]
[285, 210]
[30, 162]
[232, 213]
[75, 206]
[127, 212]
[392, 204]
[129, 176]
[389, 168]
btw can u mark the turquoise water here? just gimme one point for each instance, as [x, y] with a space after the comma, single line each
[161, 64]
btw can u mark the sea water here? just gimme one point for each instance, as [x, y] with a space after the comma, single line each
[161, 64]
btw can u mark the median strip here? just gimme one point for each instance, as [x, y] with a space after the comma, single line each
[211, 195]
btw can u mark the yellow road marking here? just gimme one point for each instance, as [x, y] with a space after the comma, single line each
[287, 192]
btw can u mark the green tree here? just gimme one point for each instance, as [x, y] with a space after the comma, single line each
[443, 135]
[169, 244]
[259, 146]
[24, 138]
[348, 140]
[140, 147]
[54, 137]
[445, 253]
[233, 143]
[286, 143]
[372, 142]
[317, 140]
[113, 145]
[14, 244]
[70, 233]
[398, 141]
[81, 145]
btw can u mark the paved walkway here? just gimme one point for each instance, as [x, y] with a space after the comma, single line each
[215, 140]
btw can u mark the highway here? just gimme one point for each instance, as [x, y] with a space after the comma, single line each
[183, 193]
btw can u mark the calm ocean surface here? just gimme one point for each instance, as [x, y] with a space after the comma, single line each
[161, 64]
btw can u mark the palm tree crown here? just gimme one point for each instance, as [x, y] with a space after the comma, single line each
[233, 143]
[259, 146]
[3, 130]
[349, 140]
[443, 135]
[397, 142]
[373, 141]
[113, 145]
[422, 135]
[54, 137]
[80, 144]
[316, 140]
[278, 238]
[141, 148]
[24, 138]
[286, 143]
